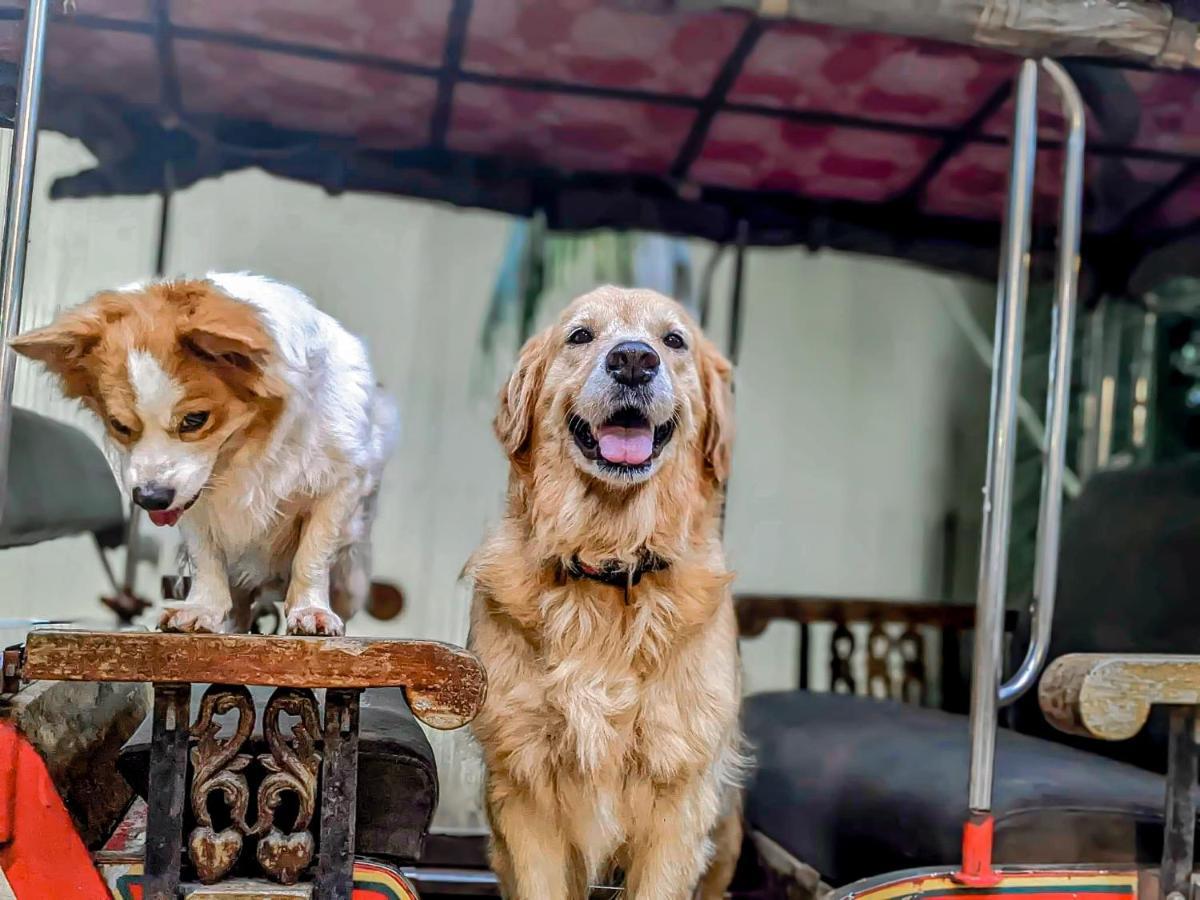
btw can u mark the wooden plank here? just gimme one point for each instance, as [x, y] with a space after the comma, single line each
[445, 685]
[1109, 696]
[249, 889]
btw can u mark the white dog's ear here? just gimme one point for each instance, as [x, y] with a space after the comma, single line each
[519, 398]
[716, 379]
[226, 332]
[65, 346]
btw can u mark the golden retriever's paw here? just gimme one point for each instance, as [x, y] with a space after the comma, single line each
[192, 618]
[314, 620]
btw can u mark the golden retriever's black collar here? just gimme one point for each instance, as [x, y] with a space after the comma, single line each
[615, 573]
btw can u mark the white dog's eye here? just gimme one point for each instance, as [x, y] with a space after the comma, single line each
[120, 427]
[192, 422]
[580, 336]
[675, 340]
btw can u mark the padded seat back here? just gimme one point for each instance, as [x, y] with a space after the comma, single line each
[59, 484]
[1129, 572]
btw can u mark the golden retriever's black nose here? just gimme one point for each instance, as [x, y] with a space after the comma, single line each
[632, 363]
[153, 498]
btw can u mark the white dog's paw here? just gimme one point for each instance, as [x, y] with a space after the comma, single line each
[193, 618]
[314, 620]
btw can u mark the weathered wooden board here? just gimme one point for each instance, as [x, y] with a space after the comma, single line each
[1109, 696]
[445, 685]
[246, 889]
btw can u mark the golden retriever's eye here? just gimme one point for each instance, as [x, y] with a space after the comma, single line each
[580, 336]
[192, 422]
[675, 341]
[120, 428]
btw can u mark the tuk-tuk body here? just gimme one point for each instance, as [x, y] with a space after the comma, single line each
[918, 134]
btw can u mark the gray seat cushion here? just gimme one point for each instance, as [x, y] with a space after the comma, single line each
[59, 484]
[397, 775]
[856, 787]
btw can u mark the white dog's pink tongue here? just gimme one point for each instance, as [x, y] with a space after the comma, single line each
[162, 517]
[631, 446]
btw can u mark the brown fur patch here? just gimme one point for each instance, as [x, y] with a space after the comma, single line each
[215, 347]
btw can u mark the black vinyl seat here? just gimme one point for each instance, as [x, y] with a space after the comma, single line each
[856, 787]
[397, 775]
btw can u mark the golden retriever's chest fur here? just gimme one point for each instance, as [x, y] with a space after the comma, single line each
[613, 690]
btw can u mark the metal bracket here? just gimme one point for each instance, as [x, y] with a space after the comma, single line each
[1179, 829]
[10, 676]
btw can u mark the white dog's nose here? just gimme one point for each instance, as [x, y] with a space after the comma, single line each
[154, 497]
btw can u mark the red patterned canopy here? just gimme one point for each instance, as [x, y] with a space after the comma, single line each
[601, 116]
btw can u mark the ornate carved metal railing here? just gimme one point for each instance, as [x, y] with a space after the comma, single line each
[880, 648]
[291, 808]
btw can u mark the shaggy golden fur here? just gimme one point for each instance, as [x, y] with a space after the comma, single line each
[610, 730]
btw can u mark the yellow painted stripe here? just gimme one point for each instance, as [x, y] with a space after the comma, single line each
[920, 884]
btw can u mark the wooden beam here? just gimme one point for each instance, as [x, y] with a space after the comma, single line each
[1109, 696]
[445, 685]
[756, 611]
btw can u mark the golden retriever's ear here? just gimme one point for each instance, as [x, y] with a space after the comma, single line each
[716, 378]
[64, 347]
[518, 399]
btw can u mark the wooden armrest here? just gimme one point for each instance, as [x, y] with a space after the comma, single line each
[1109, 696]
[756, 611]
[445, 685]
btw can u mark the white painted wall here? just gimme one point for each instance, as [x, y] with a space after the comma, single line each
[848, 396]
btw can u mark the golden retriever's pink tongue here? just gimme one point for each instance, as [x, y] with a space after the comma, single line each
[631, 446]
[165, 516]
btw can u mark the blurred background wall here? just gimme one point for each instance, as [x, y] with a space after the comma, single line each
[861, 410]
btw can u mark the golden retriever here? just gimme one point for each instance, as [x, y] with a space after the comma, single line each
[603, 611]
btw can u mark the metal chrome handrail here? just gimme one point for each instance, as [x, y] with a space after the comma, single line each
[986, 690]
[1058, 392]
[15, 238]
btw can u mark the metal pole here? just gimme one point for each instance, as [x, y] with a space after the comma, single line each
[739, 284]
[16, 216]
[1179, 829]
[1002, 434]
[1058, 393]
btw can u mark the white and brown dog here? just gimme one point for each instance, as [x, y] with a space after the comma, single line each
[236, 409]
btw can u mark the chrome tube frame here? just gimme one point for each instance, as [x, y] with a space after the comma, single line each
[1002, 435]
[1058, 391]
[15, 238]
[986, 690]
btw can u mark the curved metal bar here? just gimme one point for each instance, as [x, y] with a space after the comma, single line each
[1002, 437]
[16, 216]
[1058, 390]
